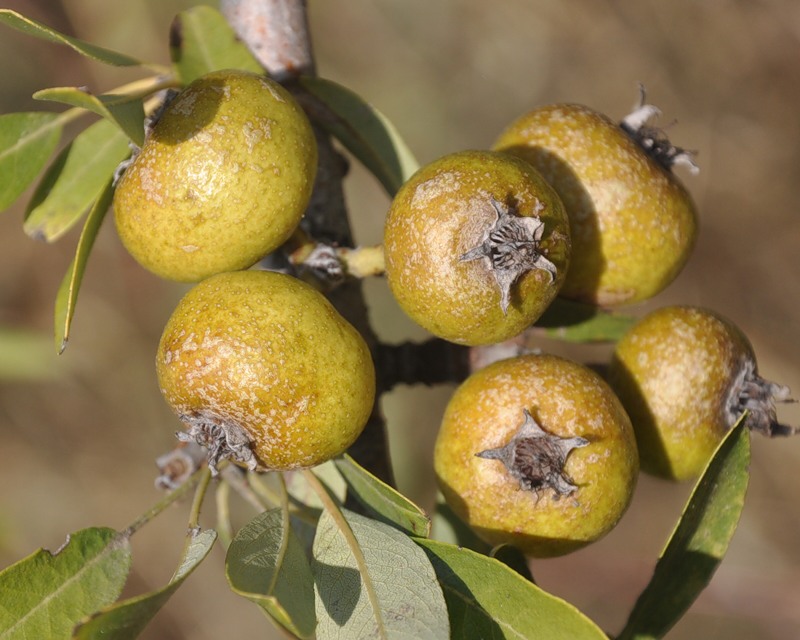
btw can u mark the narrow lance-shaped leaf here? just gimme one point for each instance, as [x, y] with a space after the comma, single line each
[699, 541]
[67, 296]
[267, 565]
[487, 599]
[202, 41]
[37, 29]
[126, 111]
[126, 619]
[372, 581]
[577, 322]
[385, 503]
[75, 180]
[364, 131]
[26, 142]
[46, 594]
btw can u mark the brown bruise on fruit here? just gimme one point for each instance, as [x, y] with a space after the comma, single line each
[536, 458]
[512, 247]
[260, 361]
[685, 376]
[632, 223]
[568, 401]
[223, 178]
[442, 213]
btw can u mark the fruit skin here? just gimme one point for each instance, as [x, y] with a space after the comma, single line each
[680, 372]
[633, 224]
[222, 180]
[446, 210]
[567, 400]
[268, 353]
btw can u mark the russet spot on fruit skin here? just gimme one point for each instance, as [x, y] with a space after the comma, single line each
[267, 353]
[222, 180]
[446, 210]
[567, 400]
[633, 224]
[680, 373]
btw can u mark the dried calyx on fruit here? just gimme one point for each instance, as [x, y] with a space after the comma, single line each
[536, 458]
[512, 247]
[653, 139]
[757, 396]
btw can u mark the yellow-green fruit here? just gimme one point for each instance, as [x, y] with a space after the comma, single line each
[633, 223]
[574, 466]
[685, 375]
[223, 178]
[263, 370]
[476, 246]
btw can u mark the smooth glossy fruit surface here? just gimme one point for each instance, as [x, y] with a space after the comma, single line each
[567, 487]
[633, 224]
[685, 375]
[476, 246]
[262, 367]
[222, 180]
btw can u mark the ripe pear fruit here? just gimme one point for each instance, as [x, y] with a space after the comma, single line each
[223, 178]
[686, 375]
[633, 224]
[264, 371]
[536, 451]
[476, 246]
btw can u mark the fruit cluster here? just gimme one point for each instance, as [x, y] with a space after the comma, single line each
[534, 450]
[538, 451]
[259, 366]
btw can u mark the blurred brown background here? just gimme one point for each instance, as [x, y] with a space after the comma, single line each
[77, 447]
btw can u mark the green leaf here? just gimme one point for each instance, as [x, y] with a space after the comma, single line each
[385, 503]
[699, 541]
[487, 599]
[267, 565]
[578, 322]
[372, 581]
[26, 142]
[126, 111]
[302, 494]
[126, 619]
[202, 41]
[67, 296]
[46, 594]
[26, 355]
[364, 131]
[75, 180]
[448, 527]
[39, 30]
[514, 559]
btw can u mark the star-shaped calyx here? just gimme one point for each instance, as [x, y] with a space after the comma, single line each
[222, 440]
[512, 247]
[536, 458]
